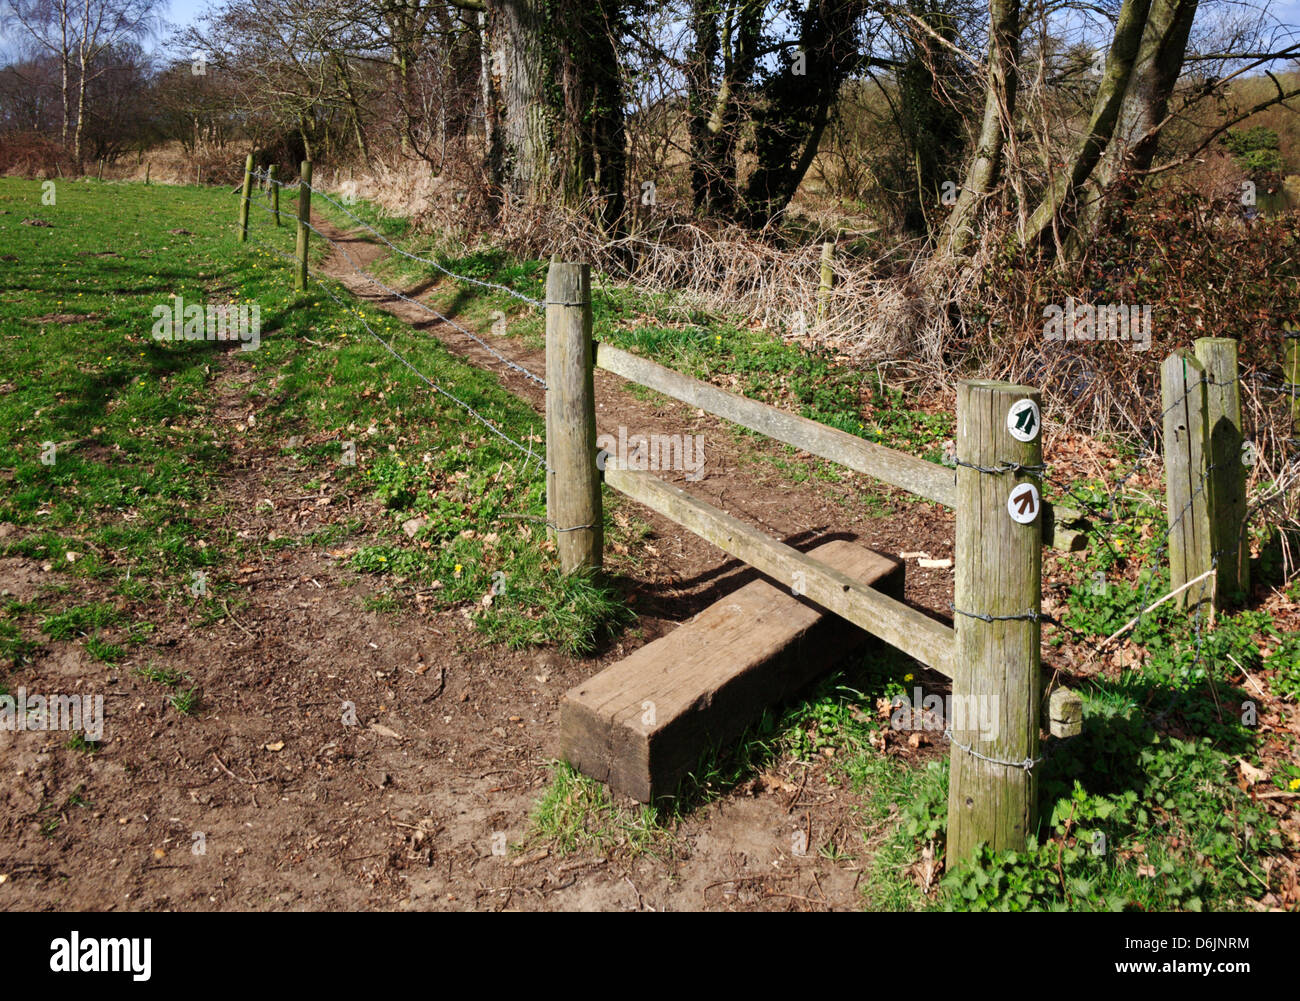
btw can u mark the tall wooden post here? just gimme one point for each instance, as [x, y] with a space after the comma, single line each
[1187, 490]
[148, 168]
[573, 481]
[1226, 470]
[244, 198]
[997, 598]
[827, 279]
[304, 217]
[1292, 372]
[273, 175]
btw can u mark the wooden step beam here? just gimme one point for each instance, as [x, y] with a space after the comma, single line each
[642, 724]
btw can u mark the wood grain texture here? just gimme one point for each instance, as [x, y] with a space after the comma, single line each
[998, 573]
[1187, 491]
[900, 625]
[899, 469]
[643, 723]
[573, 481]
[1226, 470]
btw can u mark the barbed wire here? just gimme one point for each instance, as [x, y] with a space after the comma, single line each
[428, 309]
[536, 303]
[527, 450]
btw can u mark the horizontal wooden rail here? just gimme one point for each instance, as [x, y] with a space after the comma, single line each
[925, 479]
[898, 469]
[900, 625]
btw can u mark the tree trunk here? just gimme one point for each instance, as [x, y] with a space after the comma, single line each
[1146, 101]
[999, 107]
[1054, 215]
[715, 96]
[560, 96]
[796, 106]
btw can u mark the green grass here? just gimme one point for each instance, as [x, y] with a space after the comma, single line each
[576, 813]
[131, 487]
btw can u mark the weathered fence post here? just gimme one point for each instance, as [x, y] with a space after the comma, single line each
[1226, 470]
[148, 168]
[244, 198]
[828, 279]
[996, 690]
[1187, 487]
[304, 217]
[573, 502]
[1292, 375]
[273, 179]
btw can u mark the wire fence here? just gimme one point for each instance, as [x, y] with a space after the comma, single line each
[525, 449]
[1106, 521]
[537, 303]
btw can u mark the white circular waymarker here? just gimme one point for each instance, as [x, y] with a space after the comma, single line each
[1023, 503]
[1023, 420]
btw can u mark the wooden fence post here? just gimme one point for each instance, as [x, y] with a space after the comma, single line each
[148, 168]
[996, 690]
[1226, 471]
[244, 198]
[273, 175]
[828, 279]
[1187, 489]
[1292, 376]
[573, 481]
[304, 216]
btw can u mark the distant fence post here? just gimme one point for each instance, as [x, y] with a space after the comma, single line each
[1188, 491]
[828, 279]
[1225, 468]
[304, 217]
[573, 482]
[1292, 375]
[148, 168]
[244, 198]
[273, 179]
[996, 690]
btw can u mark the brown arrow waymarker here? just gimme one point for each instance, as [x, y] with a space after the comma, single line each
[1022, 504]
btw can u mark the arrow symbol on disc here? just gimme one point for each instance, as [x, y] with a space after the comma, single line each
[1025, 421]
[1024, 501]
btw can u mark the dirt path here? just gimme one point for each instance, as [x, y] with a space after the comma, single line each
[453, 735]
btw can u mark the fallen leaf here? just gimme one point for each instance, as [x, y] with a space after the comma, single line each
[277, 746]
